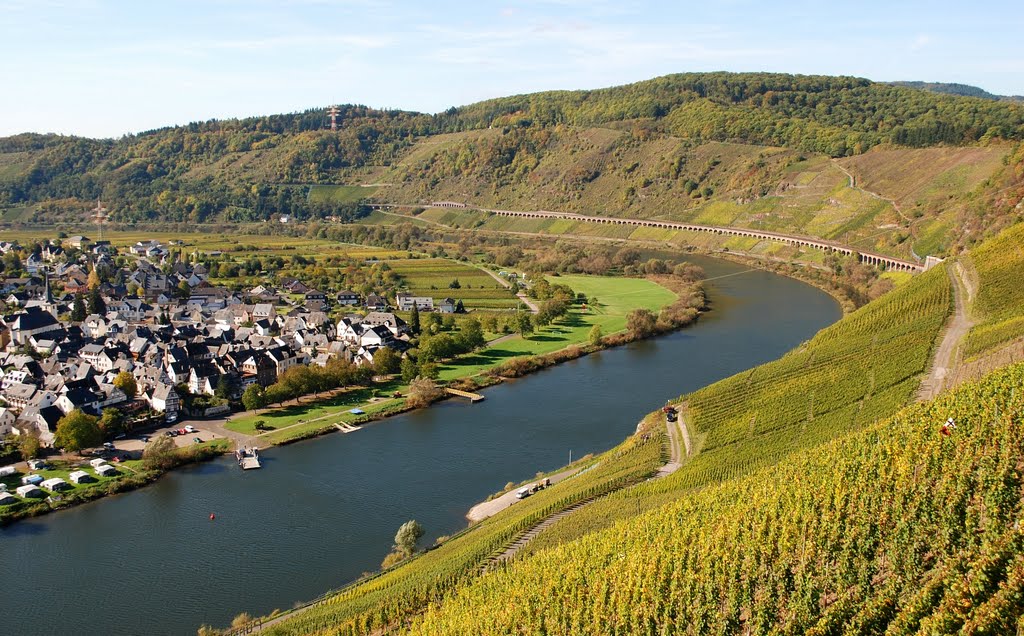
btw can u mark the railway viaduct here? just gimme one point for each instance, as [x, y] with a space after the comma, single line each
[870, 258]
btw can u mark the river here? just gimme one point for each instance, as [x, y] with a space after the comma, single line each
[322, 512]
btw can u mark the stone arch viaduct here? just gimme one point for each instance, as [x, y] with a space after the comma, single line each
[870, 258]
[867, 257]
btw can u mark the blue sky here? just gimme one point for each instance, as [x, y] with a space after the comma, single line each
[105, 68]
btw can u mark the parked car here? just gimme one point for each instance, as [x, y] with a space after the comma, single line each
[144, 438]
[197, 440]
[171, 433]
[190, 429]
[182, 431]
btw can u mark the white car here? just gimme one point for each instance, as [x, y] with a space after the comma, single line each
[190, 429]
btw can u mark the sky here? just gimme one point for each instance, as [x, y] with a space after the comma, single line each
[103, 68]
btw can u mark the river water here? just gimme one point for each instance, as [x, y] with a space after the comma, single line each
[322, 512]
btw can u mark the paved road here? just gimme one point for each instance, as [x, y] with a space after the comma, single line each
[486, 509]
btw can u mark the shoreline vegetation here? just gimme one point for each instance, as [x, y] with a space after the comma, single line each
[688, 302]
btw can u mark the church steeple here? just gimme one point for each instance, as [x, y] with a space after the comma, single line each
[47, 295]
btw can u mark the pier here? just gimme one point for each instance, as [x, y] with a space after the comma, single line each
[472, 397]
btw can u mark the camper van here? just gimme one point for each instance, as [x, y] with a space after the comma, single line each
[524, 492]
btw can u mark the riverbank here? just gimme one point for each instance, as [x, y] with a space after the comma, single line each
[132, 475]
[363, 405]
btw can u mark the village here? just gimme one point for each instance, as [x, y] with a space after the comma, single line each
[155, 341]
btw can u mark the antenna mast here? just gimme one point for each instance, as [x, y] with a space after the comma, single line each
[333, 111]
[99, 216]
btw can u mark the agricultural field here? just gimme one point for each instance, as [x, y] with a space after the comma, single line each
[340, 194]
[896, 529]
[434, 277]
[999, 306]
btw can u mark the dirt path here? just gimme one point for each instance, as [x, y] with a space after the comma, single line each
[946, 360]
[521, 295]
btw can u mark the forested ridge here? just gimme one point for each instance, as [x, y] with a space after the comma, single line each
[249, 169]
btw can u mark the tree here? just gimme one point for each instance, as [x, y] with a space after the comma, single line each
[641, 322]
[183, 290]
[408, 534]
[126, 382]
[455, 284]
[422, 392]
[386, 361]
[596, 335]
[414, 320]
[227, 384]
[254, 397]
[96, 304]
[77, 430]
[471, 335]
[523, 324]
[409, 369]
[160, 453]
[112, 422]
[93, 282]
[78, 313]
[29, 446]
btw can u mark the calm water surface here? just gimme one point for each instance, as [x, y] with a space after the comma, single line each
[322, 512]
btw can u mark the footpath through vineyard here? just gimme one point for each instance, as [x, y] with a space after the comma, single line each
[948, 355]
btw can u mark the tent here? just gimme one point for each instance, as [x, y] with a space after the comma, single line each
[356, 411]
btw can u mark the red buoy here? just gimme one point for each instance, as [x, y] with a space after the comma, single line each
[212, 516]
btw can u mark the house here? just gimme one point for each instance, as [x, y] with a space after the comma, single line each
[378, 336]
[263, 311]
[77, 241]
[406, 302]
[396, 325]
[316, 295]
[165, 400]
[446, 306]
[18, 396]
[376, 303]
[6, 421]
[347, 298]
[81, 399]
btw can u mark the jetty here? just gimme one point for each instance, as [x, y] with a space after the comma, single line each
[346, 428]
[248, 458]
[472, 397]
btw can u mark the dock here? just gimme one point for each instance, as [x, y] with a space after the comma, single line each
[472, 397]
[248, 458]
[346, 428]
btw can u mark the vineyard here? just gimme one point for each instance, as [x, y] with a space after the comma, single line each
[852, 374]
[387, 598]
[999, 306]
[434, 276]
[895, 529]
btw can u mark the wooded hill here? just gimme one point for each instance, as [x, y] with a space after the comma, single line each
[250, 169]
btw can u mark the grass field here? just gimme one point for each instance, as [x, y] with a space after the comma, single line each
[615, 297]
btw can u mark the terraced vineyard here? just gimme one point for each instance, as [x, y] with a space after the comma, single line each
[999, 306]
[852, 374]
[896, 529]
[385, 599]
